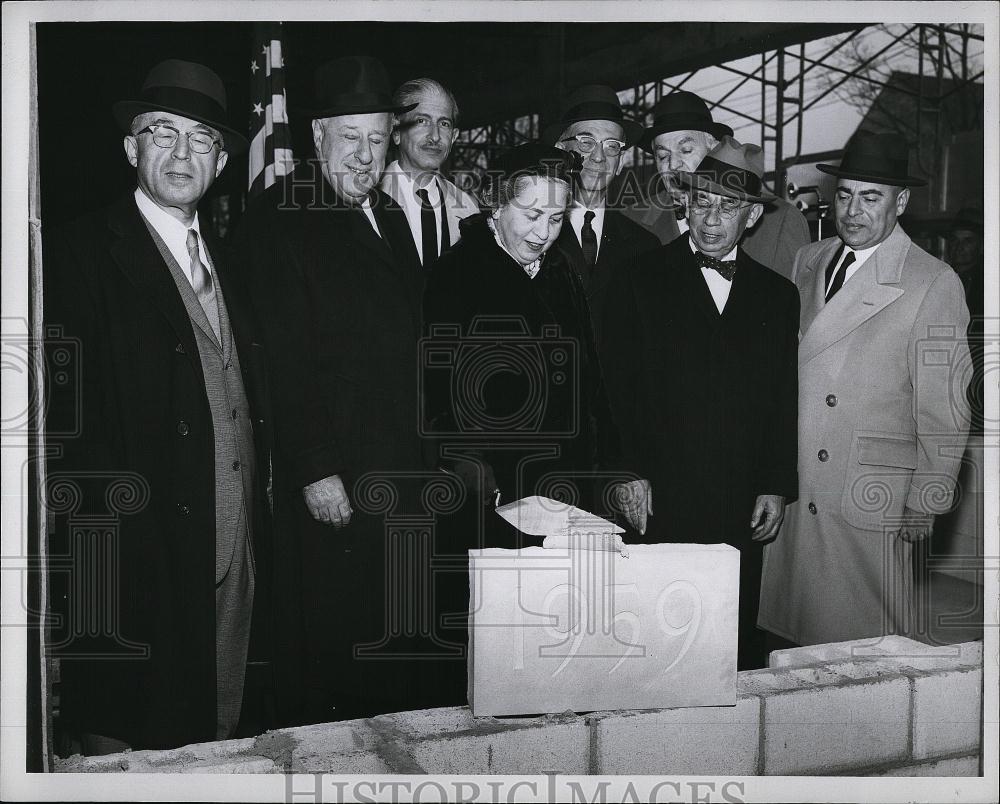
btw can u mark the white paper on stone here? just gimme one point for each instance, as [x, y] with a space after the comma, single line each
[554, 630]
[563, 525]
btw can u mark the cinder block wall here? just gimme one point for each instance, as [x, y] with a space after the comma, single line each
[891, 707]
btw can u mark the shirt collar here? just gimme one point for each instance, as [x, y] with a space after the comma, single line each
[730, 256]
[162, 221]
[410, 186]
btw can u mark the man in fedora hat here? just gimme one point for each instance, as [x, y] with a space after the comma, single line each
[882, 411]
[338, 286]
[433, 204]
[683, 132]
[172, 445]
[596, 240]
[700, 343]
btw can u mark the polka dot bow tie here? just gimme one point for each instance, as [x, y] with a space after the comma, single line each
[726, 268]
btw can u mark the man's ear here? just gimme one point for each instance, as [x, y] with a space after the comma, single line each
[395, 136]
[755, 212]
[902, 200]
[317, 129]
[131, 150]
[220, 163]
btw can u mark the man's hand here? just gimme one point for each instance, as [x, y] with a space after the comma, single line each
[767, 516]
[916, 525]
[477, 477]
[327, 501]
[635, 501]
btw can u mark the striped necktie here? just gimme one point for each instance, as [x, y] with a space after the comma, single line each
[201, 281]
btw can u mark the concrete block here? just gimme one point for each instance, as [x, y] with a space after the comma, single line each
[824, 729]
[908, 651]
[309, 760]
[348, 746]
[584, 630]
[707, 740]
[960, 766]
[561, 748]
[946, 713]
[244, 765]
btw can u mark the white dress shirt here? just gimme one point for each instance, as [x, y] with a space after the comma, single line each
[860, 258]
[411, 204]
[366, 207]
[718, 285]
[576, 216]
[174, 234]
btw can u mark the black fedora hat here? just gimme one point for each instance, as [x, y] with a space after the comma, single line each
[352, 85]
[681, 111]
[878, 158]
[535, 158]
[185, 88]
[593, 102]
[731, 169]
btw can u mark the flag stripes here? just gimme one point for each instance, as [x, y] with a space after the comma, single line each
[270, 136]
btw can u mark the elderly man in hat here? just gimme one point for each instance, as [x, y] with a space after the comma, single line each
[433, 204]
[882, 411]
[700, 344]
[596, 240]
[171, 451]
[338, 286]
[683, 132]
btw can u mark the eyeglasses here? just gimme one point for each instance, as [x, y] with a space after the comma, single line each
[728, 207]
[201, 142]
[587, 144]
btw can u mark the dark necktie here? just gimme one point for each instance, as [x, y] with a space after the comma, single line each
[725, 268]
[588, 239]
[428, 229]
[838, 280]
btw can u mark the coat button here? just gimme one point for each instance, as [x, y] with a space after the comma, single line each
[182, 509]
[236, 466]
[179, 348]
[182, 428]
[236, 413]
[812, 508]
[823, 455]
[831, 401]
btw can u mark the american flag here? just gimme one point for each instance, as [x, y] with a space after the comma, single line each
[270, 137]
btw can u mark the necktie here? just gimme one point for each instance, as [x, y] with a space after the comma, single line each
[201, 281]
[428, 229]
[725, 268]
[838, 280]
[588, 239]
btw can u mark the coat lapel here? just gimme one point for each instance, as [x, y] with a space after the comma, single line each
[697, 287]
[137, 256]
[812, 282]
[869, 291]
[609, 254]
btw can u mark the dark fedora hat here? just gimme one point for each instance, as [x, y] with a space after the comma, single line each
[681, 111]
[535, 158]
[733, 170]
[352, 85]
[878, 158]
[593, 102]
[185, 88]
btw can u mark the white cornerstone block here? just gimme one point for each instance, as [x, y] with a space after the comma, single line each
[566, 629]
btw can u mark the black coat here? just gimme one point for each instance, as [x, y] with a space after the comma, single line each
[622, 242]
[341, 311]
[524, 374]
[131, 406]
[707, 403]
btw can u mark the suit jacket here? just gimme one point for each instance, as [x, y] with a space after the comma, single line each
[705, 401]
[781, 231]
[134, 416]
[458, 204]
[883, 420]
[341, 306]
[622, 242]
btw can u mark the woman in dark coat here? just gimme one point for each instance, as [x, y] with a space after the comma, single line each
[514, 401]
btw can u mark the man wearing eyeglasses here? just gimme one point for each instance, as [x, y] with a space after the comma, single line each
[597, 240]
[433, 204]
[700, 348]
[171, 447]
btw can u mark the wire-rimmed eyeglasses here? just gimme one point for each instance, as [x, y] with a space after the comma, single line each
[201, 142]
[728, 207]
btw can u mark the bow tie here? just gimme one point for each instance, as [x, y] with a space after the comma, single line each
[726, 268]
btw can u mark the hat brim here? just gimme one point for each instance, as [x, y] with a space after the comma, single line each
[698, 182]
[364, 108]
[893, 181]
[631, 130]
[126, 111]
[717, 130]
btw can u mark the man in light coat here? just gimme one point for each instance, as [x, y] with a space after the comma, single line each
[883, 416]
[424, 136]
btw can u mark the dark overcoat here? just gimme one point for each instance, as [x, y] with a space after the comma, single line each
[706, 402]
[622, 242]
[340, 306]
[131, 423]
